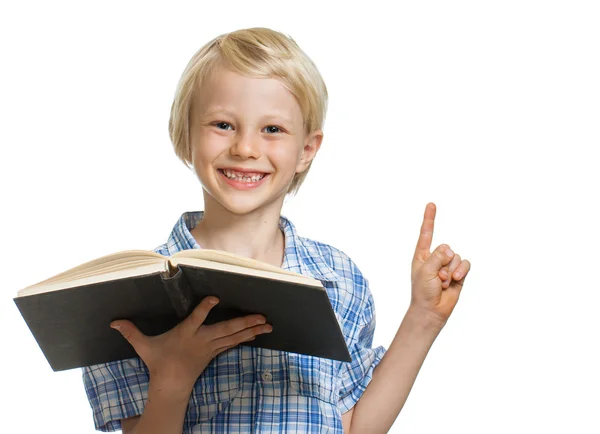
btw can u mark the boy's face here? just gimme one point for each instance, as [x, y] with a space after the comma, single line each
[248, 141]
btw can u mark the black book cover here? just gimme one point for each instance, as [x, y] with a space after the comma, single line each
[72, 329]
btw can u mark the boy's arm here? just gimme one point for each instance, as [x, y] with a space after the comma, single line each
[394, 377]
[437, 280]
[347, 420]
[164, 412]
[174, 362]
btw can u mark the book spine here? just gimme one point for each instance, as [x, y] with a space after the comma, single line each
[179, 292]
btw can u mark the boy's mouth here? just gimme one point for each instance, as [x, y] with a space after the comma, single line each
[242, 176]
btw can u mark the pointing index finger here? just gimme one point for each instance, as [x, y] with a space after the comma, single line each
[426, 235]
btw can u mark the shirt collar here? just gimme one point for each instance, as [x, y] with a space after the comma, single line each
[301, 255]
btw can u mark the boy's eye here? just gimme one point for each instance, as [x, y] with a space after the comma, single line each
[223, 125]
[272, 129]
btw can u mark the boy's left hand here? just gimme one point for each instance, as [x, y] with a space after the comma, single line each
[438, 276]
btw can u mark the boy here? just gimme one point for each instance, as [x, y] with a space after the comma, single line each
[248, 116]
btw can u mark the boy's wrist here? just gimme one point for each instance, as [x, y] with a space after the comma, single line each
[424, 318]
[174, 390]
[165, 409]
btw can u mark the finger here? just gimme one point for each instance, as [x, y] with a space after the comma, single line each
[136, 338]
[221, 344]
[450, 269]
[443, 274]
[457, 285]
[233, 326]
[199, 314]
[462, 270]
[439, 258]
[426, 235]
[444, 277]
[223, 349]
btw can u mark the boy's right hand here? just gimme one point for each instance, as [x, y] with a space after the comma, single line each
[176, 358]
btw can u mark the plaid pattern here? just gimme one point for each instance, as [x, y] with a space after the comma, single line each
[251, 390]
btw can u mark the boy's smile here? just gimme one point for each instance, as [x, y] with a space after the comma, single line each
[248, 141]
[243, 179]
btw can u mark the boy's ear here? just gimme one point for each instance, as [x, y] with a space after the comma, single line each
[311, 147]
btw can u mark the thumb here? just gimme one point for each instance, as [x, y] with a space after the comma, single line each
[130, 332]
[438, 259]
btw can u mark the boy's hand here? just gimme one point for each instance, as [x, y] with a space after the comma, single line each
[176, 358]
[438, 276]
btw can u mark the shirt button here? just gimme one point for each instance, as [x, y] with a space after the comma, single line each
[266, 375]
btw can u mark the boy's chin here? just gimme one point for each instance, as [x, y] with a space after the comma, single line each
[241, 207]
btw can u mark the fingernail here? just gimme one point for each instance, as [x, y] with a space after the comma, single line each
[450, 253]
[213, 300]
[457, 275]
[260, 321]
[116, 327]
[268, 329]
[444, 273]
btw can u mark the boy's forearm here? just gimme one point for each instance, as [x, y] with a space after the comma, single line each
[393, 378]
[164, 411]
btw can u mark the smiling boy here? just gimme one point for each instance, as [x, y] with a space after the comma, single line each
[248, 117]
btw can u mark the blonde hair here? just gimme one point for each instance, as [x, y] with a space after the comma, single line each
[255, 52]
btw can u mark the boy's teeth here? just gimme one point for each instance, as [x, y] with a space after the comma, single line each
[248, 177]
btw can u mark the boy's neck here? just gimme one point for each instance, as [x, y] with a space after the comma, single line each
[255, 236]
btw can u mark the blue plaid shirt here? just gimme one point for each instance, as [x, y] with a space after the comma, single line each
[253, 390]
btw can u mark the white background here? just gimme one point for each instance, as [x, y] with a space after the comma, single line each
[491, 110]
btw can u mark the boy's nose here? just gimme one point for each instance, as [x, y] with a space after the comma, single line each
[245, 146]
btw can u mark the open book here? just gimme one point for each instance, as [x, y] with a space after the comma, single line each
[69, 314]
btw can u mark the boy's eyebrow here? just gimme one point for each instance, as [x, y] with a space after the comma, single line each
[222, 111]
[278, 117]
[216, 111]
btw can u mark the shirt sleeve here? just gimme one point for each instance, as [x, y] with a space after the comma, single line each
[357, 374]
[116, 391]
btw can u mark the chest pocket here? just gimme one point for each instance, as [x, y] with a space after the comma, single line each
[214, 390]
[314, 377]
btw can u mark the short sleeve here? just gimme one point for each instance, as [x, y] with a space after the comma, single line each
[357, 374]
[116, 390]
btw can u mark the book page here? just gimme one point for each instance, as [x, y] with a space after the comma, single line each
[286, 276]
[117, 265]
[82, 280]
[229, 258]
[139, 262]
